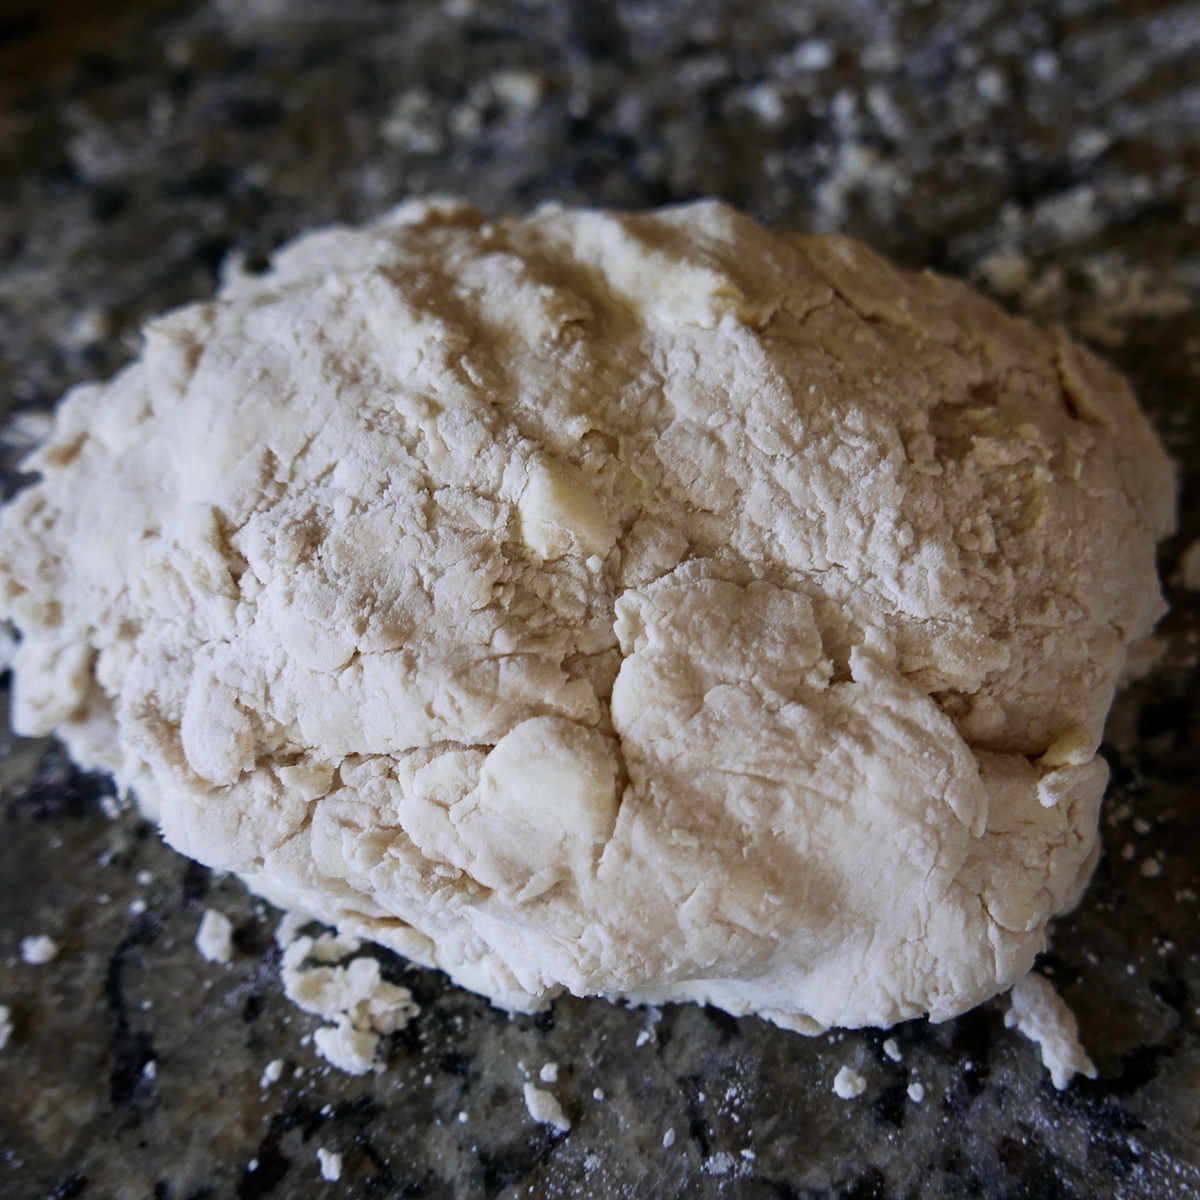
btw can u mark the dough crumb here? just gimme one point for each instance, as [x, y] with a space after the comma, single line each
[545, 1108]
[6, 1025]
[1042, 1016]
[668, 1139]
[214, 938]
[39, 949]
[891, 1048]
[549, 1073]
[331, 1164]
[848, 1084]
[271, 1073]
[355, 997]
[916, 1092]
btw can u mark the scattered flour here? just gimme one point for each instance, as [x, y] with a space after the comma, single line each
[720, 1163]
[1041, 1015]
[549, 1073]
[916, 1092]
[891, 1048]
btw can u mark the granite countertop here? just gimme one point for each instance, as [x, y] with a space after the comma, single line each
[1047, 151]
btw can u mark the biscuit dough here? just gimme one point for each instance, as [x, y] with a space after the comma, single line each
[642, 605]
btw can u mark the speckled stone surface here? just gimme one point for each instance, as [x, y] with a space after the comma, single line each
[1048, 151]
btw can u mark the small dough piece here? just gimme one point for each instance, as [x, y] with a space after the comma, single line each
[214, 938]
[848, 1084]
[1040, 1013]
[330, 1162]
[545, 1109]
[39, 949]
[642, 605]
[355, 997]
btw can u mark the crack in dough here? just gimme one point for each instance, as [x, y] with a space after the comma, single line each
[639, 605]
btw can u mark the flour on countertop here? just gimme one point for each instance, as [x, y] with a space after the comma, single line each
[1189, 567]
[645, 605]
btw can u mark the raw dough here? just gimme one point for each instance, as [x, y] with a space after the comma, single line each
[39, 949]
[1040, 1013]
[645, 605]
[545, 1109]
[361, 1004]
[214, 938]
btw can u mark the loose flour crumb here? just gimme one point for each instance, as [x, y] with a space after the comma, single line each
[545, 1108]
[214, 938]
[271, 1073]
[1189, 567]
[355, 997]
[549, 1073]
[39, 949]
[848, 1084]
[892, 1049]
[720, 1163]
[331, 1164]
[916, 1092]
[349, 1049]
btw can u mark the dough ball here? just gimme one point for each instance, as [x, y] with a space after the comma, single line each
[640, 605]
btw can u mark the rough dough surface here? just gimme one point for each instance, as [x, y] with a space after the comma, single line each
[643, 605]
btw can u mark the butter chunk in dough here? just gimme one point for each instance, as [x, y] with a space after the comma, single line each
[642, 605]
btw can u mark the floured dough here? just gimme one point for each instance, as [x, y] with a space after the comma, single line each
[642, 605]
[1040, 1014]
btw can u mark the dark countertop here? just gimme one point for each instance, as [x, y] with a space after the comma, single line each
[1048, 151]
